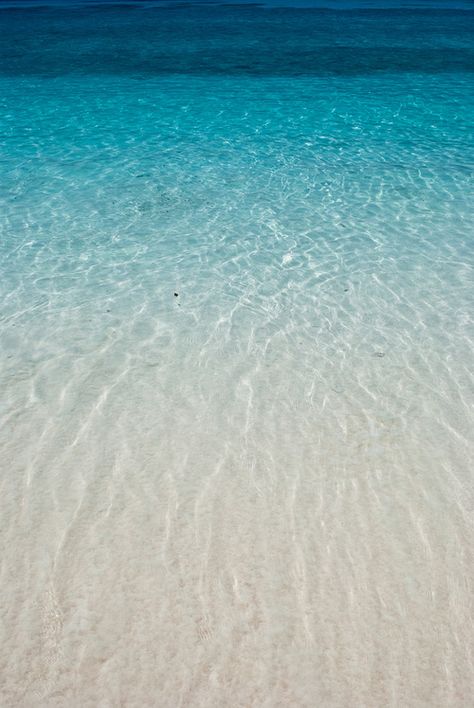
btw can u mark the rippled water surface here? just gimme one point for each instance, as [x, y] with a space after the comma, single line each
[236, 372]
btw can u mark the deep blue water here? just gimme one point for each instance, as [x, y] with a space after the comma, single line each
[200, 39]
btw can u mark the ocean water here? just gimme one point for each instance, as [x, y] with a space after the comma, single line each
[236, 355]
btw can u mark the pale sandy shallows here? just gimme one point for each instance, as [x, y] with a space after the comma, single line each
[239, 515]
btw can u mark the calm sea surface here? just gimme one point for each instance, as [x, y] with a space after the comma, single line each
[236, 355]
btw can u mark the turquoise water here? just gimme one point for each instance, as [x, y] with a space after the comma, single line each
[236, 287]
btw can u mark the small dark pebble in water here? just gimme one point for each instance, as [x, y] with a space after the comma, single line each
[346, 290]
[379, 354]
[176, 294]
[107, 310]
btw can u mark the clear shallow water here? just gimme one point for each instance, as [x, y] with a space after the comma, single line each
[259, 492]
